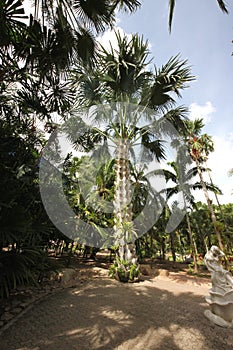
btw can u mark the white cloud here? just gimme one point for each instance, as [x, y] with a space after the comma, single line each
[221, 161]
[109, 36]
[205, 111]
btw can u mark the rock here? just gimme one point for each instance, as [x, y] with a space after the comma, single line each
[1, 323]
[66, 275]
[163, 273]
[146, 270]
[53, 276]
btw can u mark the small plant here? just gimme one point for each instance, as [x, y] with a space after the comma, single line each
[124, 271]
[191, 268]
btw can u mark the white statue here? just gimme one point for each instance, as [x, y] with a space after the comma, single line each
[221, 293]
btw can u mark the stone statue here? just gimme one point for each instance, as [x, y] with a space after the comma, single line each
[221, 293]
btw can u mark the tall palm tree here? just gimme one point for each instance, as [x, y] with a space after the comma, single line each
[181, 175]
[122, 75]
[221, 4]
[200, 145]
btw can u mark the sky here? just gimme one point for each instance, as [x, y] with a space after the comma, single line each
[203, 35]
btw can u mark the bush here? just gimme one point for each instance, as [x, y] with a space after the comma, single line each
[124, 271]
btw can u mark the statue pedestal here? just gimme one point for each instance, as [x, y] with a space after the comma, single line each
[221, 309]
[220, 299]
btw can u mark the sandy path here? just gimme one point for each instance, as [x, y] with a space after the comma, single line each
[102, 314]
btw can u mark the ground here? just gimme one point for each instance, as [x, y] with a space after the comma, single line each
[99, 313]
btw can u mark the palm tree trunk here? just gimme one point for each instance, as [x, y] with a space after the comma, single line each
[163, 248]
[122, 198]
[213, 217]
[173, 250]
[180, 244]
[217, 200]
[201, 238]
[193, 250]
[192, 243]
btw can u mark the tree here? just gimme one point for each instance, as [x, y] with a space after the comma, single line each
[35, 59]
[25, 227]
[221, 4]
[200, 218]
[181, 175]
[199, 148]
[122, 75]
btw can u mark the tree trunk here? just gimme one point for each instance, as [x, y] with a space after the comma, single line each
[163, 248]
[173, 250]
[213, 217]
[217, 200]
[122, 206]
[193, 250]
[201, 238]
[181, 246]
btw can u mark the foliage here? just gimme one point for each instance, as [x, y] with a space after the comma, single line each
[124, 271]
[36, 55]
[222, 5]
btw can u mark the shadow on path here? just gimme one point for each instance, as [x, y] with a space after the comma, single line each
[104, 314]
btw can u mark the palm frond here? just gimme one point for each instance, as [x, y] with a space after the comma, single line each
[222, 6]
[125, 5]
[169, 80]
[171, 13]
[153, 146]
[12, 27]
[94, 12]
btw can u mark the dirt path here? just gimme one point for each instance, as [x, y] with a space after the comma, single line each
[102, 314]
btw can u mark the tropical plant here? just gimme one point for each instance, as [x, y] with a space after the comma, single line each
[200, 145]
[182, 175]
[25, 228]
[201, 222]
[121, 75]
[35, 57]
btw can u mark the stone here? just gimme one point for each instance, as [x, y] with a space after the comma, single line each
[163, 273]
[146, 270]
[66, 275]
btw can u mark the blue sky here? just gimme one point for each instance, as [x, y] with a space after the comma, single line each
[202, 34]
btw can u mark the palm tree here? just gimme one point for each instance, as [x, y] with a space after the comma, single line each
[122, 76]
[221, 4]
[74, 23]
[181, 179]
[37, 55]
[181, 175]
[199, 147]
